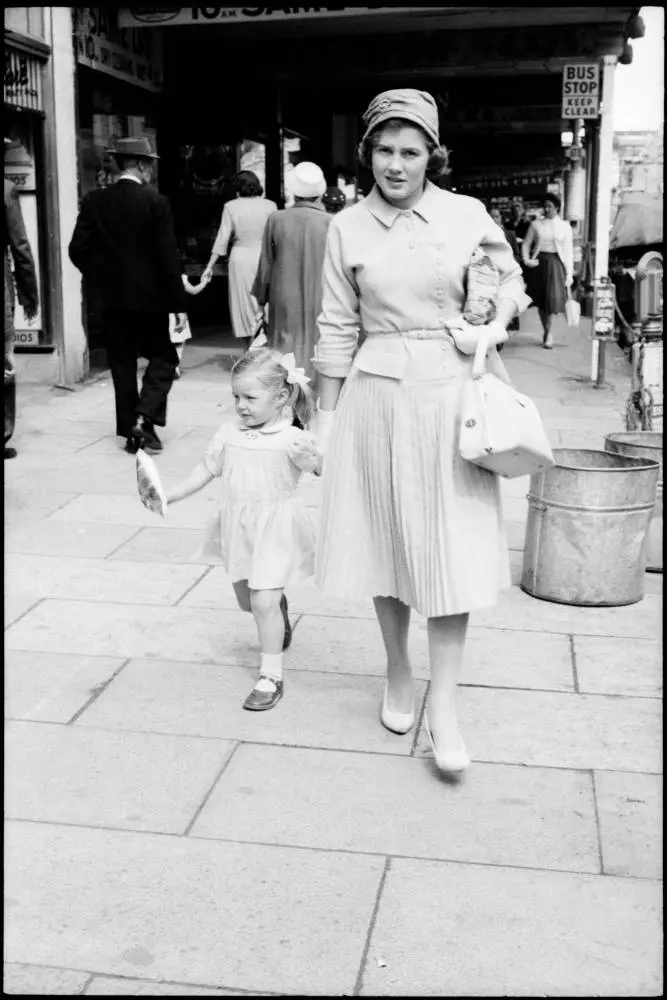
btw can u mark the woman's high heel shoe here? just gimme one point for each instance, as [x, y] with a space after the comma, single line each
[396, 722]
[452, 763]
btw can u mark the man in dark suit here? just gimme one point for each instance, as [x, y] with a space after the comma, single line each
[21, 283]
[124, 242]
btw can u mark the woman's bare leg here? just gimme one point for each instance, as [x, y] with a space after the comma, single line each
[446, 644]
[394, 619]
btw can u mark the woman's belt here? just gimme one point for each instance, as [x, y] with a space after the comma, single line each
[440, 333]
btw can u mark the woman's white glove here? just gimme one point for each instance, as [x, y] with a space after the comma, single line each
[305, 454]
[321, 427]
[467, 337]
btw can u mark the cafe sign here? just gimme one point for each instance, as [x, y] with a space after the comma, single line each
[168, 16]
[23, 80]
[581, 90]
[130, 54]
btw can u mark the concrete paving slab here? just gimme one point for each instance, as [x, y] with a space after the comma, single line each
[117, 481]
[311, 798]
[317, 710]
[451, 930]
[29, 503]
[32, 980]
[92, 540]
[128, 781]
[630, 811]
[129, 510]
[17, 604]
[619, 666]
[98, 629]
[49, 687]
[94, 580]
[107, 986]
[523, 612]
[238, 916]
[164, 545]
[542, 729]
[494, 657]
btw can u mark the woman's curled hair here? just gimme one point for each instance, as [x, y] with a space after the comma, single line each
[247, 184]
[266, 365]
[438, 156]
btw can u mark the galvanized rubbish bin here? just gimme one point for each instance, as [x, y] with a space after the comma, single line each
[588, 519]
[644, 444]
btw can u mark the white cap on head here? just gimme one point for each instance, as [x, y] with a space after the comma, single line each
[306, 181]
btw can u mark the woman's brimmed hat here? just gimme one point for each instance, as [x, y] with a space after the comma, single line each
[138, 148]
[306, 181]
[416, 106]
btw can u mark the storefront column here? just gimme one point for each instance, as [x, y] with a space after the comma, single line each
[74, 351]
[603, 186]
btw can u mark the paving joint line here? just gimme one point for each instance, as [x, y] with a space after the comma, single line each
[200, 579]
[358, 986]
[420, 722]
[96, 692]
[573, 662]
[24, 613]
[204, 802]
[598, 826]
[119, 547]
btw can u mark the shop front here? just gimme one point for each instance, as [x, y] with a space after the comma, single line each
[263, 88]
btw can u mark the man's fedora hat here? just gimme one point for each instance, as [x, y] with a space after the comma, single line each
[139, 148]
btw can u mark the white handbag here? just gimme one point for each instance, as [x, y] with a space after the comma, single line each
[501, 429]
[572, 312]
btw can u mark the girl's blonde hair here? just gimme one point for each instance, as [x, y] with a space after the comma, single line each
[266, 365]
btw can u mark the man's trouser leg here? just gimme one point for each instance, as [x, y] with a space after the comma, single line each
[155, 345]
[121, 341]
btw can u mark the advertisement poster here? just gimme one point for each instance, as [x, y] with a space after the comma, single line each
[20, 170]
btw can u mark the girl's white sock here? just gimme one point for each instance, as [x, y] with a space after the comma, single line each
[272, 666]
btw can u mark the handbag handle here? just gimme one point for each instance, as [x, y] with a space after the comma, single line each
[479, 362]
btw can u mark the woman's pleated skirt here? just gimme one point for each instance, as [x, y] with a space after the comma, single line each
[403, 514]
[547, 288]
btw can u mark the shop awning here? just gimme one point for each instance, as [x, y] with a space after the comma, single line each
[638, 222]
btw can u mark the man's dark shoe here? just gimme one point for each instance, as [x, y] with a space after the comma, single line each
[10, 452]
[143, 436]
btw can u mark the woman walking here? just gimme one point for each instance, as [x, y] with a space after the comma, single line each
[548, 247]
[242, 227]
[405, 519]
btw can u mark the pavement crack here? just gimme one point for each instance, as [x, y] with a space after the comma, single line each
[371, 928]
[96, 692]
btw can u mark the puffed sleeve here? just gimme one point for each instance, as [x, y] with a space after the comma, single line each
[216, 450]
[495, 245]
[338, 321]
[225, 231]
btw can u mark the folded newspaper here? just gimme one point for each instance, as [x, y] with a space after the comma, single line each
[482, 284]
[149, 485]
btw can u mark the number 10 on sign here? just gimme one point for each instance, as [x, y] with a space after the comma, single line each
[581, 90]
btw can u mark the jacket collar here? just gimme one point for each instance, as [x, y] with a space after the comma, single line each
[309, 204]
[387, 214]
[129, 177]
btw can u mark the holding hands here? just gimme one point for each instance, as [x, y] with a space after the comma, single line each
[306, 455]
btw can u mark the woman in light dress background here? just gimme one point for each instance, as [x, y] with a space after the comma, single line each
[242, 228]
[405, 519]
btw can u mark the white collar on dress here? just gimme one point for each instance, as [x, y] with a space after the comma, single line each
[274, 429]
[129, 177]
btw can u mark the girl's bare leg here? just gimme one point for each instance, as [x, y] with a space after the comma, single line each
[242, 591]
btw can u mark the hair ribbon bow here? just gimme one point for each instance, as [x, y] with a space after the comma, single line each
[295, 376]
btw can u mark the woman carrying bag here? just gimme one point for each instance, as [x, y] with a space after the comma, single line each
[548, 247]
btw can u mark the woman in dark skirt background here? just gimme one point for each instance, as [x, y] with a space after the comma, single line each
[548, 247]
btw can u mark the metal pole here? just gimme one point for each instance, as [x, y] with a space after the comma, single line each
[603, 193]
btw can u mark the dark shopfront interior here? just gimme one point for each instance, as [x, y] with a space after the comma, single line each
[239, 95]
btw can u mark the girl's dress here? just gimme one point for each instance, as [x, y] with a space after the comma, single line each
[403, 515]
[261, 532]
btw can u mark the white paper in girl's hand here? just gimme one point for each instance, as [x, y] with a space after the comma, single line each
[149, 485]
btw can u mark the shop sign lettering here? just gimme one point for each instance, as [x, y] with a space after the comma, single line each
[581, 90]
[129, 54]
[25, 338]
[23, 80]
[135, 16]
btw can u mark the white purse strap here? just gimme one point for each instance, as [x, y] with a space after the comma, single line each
[479, 363]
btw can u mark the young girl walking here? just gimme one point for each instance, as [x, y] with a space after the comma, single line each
[261, 531]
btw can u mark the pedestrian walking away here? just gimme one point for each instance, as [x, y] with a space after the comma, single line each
[289, 276]
[240, 235]
[21, 283]
[261, 532]
[548, 248]
[124, 241]
[404, 518]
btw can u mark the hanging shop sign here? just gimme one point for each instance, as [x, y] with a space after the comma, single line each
[23, 80]
[159, 16]
[581, 90]
[130, 54]
[604, 301]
